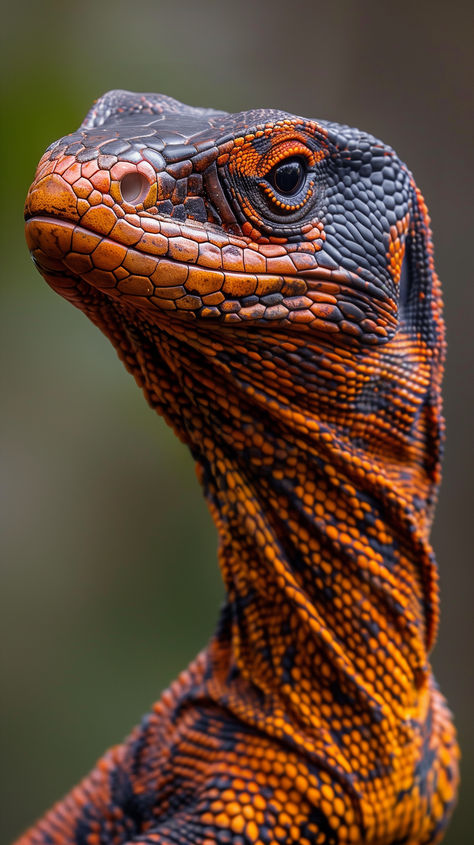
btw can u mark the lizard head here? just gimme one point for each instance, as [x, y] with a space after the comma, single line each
[260, 218]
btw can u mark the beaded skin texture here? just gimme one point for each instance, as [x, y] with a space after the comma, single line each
[269, 281]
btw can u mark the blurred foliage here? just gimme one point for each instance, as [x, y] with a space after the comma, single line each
[109, 578]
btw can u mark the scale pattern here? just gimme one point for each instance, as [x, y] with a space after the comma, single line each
[269, 281]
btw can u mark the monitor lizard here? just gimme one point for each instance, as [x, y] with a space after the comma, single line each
[269, 281]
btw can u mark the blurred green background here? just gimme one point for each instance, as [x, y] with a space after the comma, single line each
[109, 578]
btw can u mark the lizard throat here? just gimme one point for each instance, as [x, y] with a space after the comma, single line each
[319, 535]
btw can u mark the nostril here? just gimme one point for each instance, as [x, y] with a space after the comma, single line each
[134, 187]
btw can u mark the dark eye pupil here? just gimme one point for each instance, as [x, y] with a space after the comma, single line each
[287, 177]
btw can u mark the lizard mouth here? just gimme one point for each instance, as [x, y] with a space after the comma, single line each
[155, 281]
[169, 278]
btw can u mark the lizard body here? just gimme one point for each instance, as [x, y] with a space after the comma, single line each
[269, 282]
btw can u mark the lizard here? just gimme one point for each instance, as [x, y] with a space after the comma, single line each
[269, 281]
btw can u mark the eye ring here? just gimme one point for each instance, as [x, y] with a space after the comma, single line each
[286, 177]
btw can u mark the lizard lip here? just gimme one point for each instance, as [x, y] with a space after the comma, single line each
[59, 246]
[164, 279]
[155, 263]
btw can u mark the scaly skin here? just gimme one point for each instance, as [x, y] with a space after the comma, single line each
[292, 335]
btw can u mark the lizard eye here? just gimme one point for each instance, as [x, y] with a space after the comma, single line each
[287, 176]
[275, 183]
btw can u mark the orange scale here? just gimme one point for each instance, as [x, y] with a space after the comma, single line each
[89, 168]
[100, 218]
[153, 243]
[82, 187]
[237, 823]
[95, 198]
[108, 255]
[101, 181]
[124, 232]
[63, 163]
[73, 173]
[183, 249]
[115, 193]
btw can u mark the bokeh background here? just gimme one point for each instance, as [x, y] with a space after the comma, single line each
[109, 578]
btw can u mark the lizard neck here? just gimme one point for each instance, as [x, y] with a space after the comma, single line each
[322, 503]
[326, 575]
